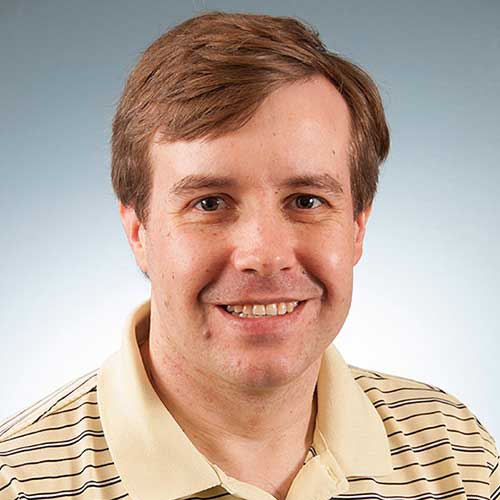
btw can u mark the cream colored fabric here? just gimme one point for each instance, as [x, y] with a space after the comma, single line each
[108, 436]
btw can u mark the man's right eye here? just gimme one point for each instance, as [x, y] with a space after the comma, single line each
[210, 204]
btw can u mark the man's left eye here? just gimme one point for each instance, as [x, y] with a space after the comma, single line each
[307, 201]
[210, 204]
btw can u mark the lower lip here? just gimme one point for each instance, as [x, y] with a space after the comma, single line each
[265, 324]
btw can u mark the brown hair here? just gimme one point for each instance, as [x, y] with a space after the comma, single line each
[208, 75]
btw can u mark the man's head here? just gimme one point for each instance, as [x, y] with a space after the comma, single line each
[249, 194]
[209, 75]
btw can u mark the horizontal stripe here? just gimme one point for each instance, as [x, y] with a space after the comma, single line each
[47, 429]
[428, 413]
[61, 476]
[424, 465]
[81, 405]
[69, 493]
[420, 496]
[414, 401]
[403, 483]
[65, 396]
[399, 389]
[420, 448]
[53, 444]
[54, 460]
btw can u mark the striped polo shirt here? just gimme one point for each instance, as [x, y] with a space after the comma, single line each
[108, 436]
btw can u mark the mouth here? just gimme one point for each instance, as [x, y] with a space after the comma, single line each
[260, 311]
[263, 324]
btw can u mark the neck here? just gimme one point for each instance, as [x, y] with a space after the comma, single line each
[258, 437]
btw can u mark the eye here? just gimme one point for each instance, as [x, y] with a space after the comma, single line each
[210, 204]
[307, 201]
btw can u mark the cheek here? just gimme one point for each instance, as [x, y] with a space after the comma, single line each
[328, 257]
[184, 255]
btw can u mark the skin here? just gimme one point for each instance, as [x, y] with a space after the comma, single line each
[243, 390]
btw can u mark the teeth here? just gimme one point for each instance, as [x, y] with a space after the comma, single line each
[258, 310]
[271, 310]
[247, 309]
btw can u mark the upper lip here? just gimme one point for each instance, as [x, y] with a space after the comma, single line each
[263, 301]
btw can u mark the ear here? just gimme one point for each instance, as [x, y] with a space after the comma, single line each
[359, 232]
[136, 235]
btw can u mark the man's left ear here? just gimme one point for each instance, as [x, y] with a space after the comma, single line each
[359, 232]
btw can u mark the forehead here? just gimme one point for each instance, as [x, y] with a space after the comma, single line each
[300, 129]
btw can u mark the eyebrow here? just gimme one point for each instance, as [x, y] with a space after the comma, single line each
[196, 182]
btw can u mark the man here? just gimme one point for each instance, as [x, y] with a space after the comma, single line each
[245, 160]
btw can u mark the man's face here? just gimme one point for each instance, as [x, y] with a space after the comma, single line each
[270, 221]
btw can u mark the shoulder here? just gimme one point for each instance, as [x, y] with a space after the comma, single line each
[81, 390]
[57, 447]
[414, 402]
[428, 426]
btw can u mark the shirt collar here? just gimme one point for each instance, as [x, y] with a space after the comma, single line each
[156, 460]
[351, 426]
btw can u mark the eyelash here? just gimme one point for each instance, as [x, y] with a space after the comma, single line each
[323, 202]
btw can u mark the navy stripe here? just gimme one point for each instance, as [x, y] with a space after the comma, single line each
[53, 444]
[46, 429]
[76, 407]
[416, 431]
[425, 465]
[421, 496]
[67, 493]
[420, 448]
[475, 481]
[471, 449]
[53, 460]
[430, 480]
[414, 401]
[66, 396]
[435, 412]
[41, 478]
[399, 389]
[494, 469]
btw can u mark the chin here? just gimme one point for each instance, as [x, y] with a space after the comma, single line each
[265, 372]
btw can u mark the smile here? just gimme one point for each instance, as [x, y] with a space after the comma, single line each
[261, 310]
[264, 321]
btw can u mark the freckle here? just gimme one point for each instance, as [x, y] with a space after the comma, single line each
[333, 151]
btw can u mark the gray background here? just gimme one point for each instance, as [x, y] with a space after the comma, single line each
[425, 303]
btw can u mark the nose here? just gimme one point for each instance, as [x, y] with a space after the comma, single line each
[264, 245]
